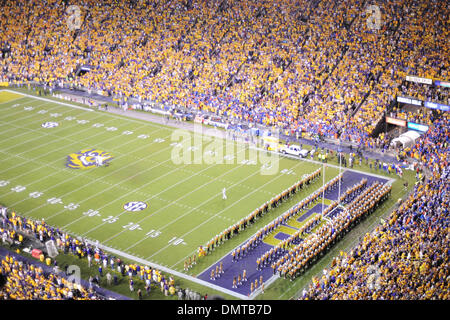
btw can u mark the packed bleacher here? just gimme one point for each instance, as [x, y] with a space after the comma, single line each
[316, 66]
[313, 66]
[25, 281]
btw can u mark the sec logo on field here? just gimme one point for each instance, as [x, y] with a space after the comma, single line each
[134, 206]
[50, 124]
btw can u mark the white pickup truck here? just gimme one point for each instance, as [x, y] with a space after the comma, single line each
[294, 150]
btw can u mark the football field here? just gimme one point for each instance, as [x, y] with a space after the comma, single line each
[143, 202]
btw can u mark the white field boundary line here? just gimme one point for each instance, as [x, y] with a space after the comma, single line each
[12, 99]
[106, 114]
[77, 176]
[115, 151]
[113, 172]
[117, 199]
[369, 229]
[189, 211]
[212, 133]
[165, 190]
[52, 151]
[170, 271]
[182, 236]
[52, 141]
[20, 119]
[391, 180]
[77, 141]
[217, 214]
[48, 100]
[50, 164]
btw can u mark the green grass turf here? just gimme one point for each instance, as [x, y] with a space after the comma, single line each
[185, 202]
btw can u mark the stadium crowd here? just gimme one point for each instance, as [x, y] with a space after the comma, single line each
[316, 66]
[298, 258]
[261, 211]
[15, 228]
[25, 281]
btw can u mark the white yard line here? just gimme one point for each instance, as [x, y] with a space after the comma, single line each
[160, 209]
[57, 169]
[165, 269]
[52, 141]
[185, 195]
[234, 203]
[126, 194]
[12, 99]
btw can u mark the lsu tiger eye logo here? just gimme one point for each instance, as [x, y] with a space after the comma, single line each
[88, 158]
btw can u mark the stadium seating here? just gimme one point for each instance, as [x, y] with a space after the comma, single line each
[26, 281]
[316, 66]
[406, 257]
